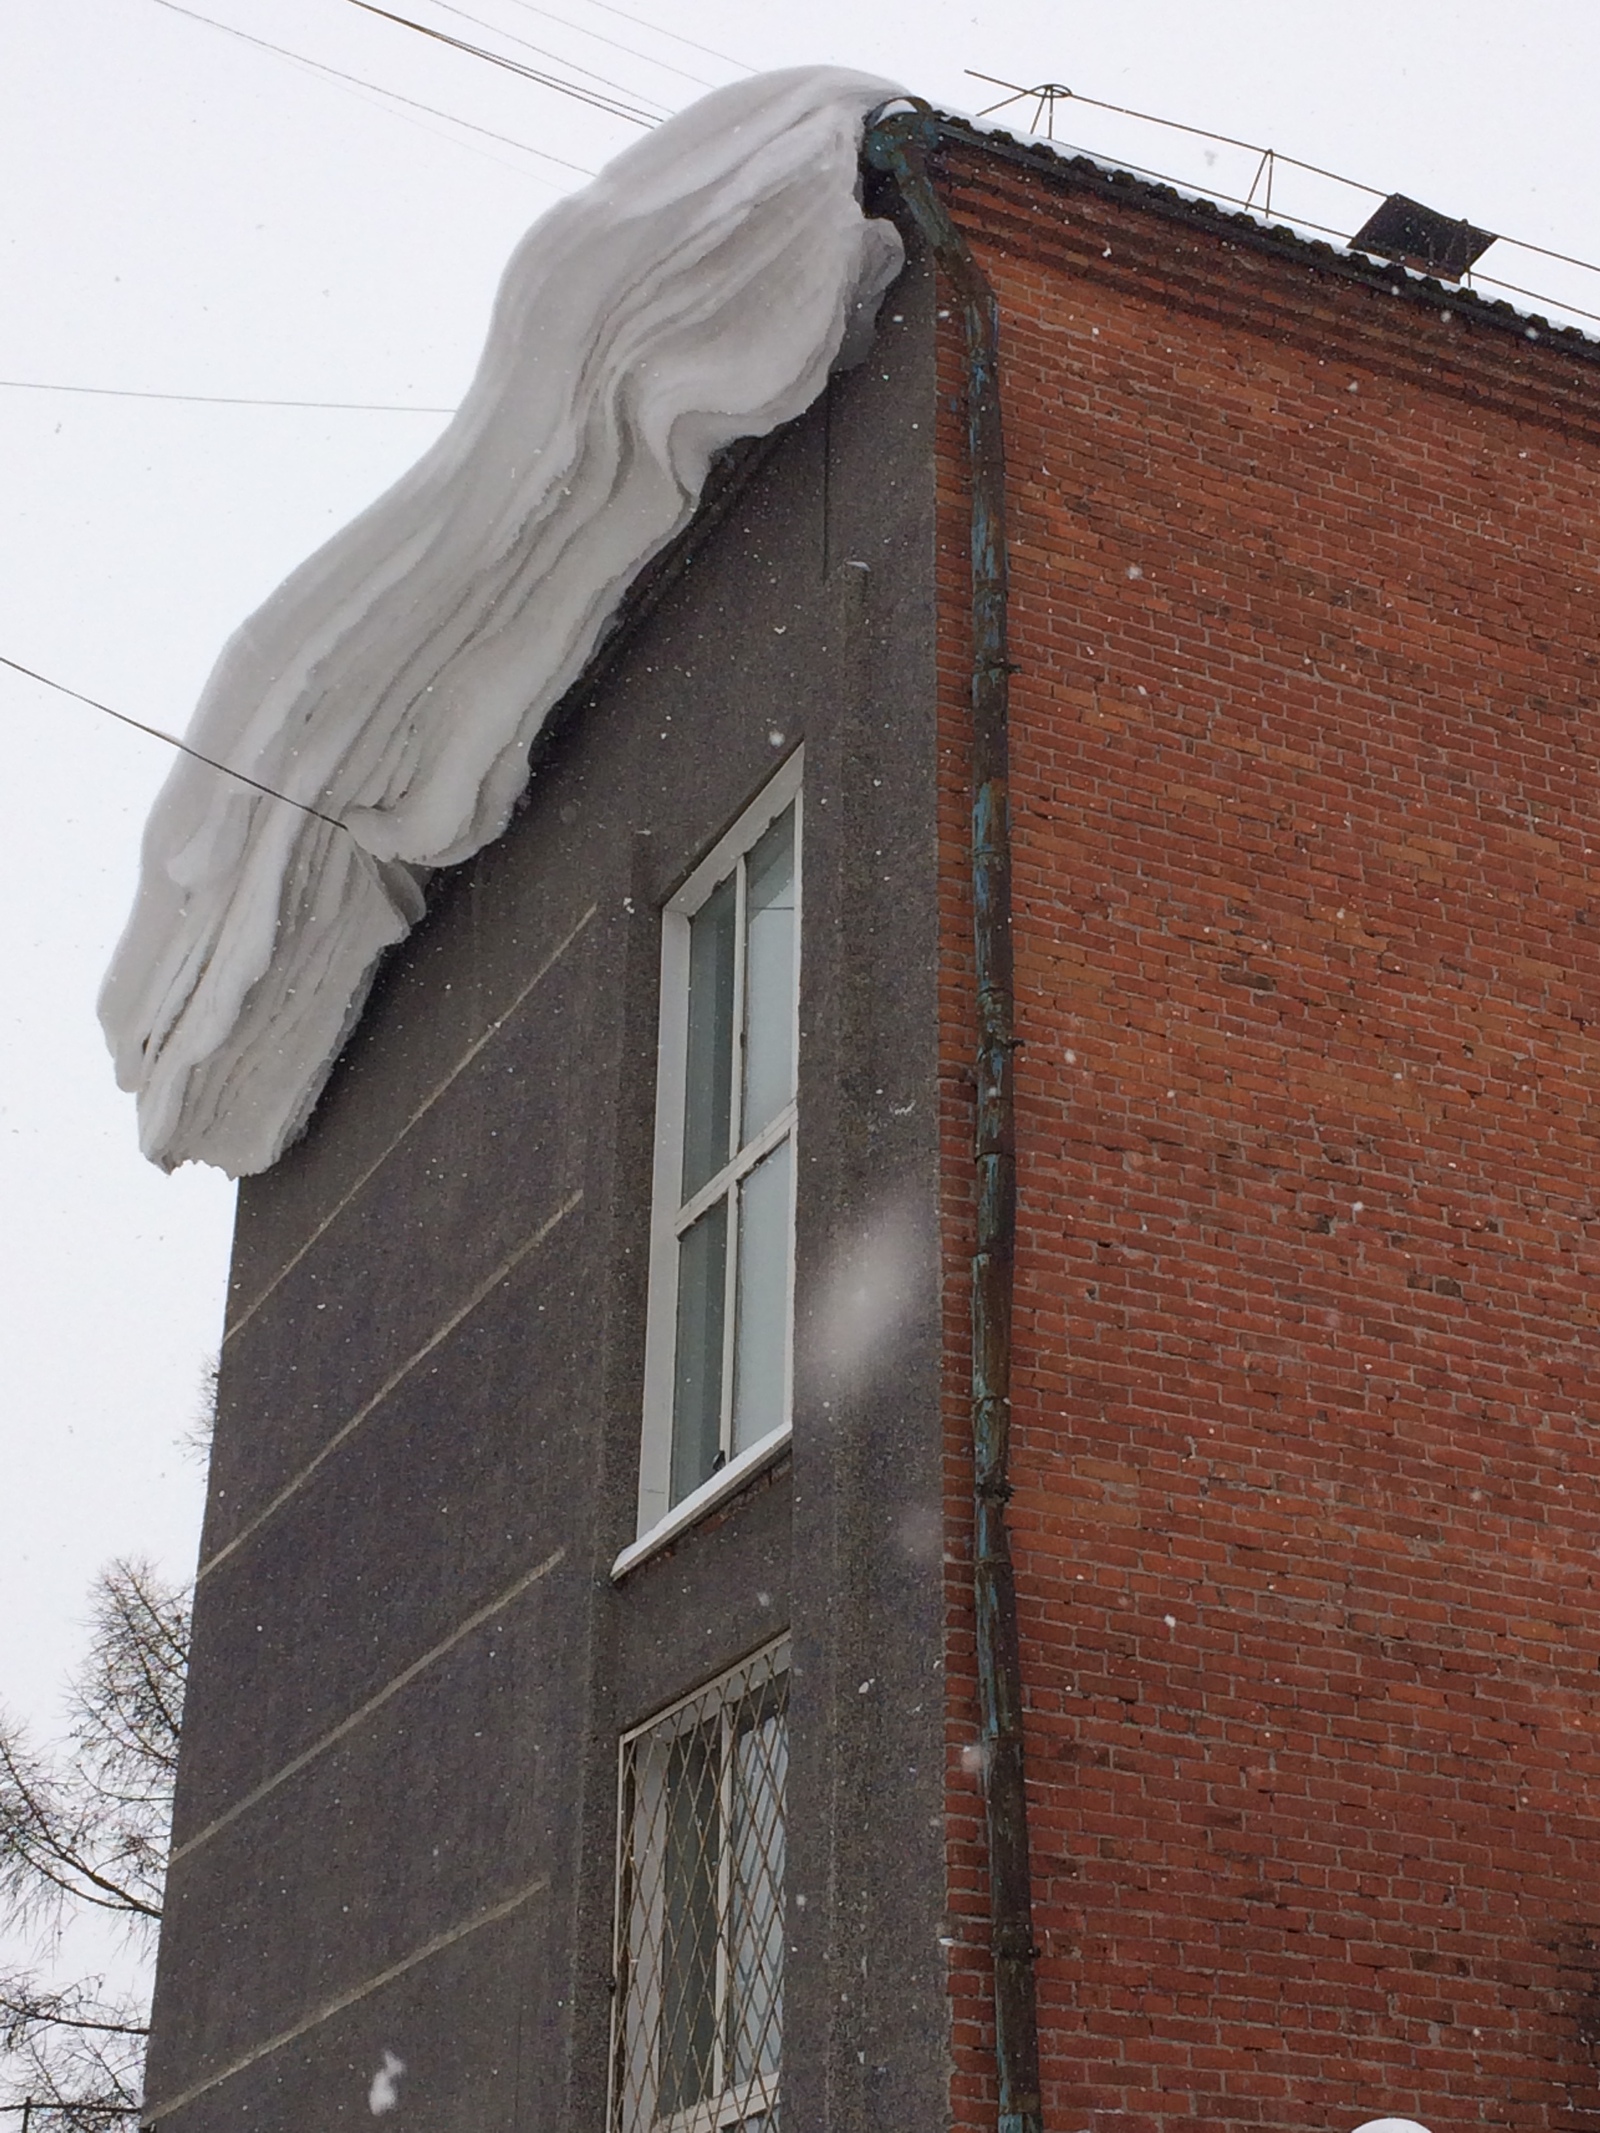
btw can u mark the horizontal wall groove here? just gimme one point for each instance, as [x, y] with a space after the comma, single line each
[364, 1711]
[165, 2109]
[440, 1088]
[395, 1378]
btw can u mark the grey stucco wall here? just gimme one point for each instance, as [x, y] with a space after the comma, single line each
[396, 1811]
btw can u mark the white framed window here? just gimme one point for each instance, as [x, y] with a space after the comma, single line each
[697, 2043]
[719, 1347]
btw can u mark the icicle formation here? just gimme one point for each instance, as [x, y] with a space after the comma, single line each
[697, 292]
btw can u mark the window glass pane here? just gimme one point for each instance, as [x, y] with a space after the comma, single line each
[755, 1893]
[708, 1066]
[769, 977]
[762, 1325]
[686, 2070]
[697, 1387]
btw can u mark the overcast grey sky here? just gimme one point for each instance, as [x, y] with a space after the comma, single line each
[185, 212]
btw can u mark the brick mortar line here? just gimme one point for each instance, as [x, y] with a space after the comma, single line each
[1163, 201]
[1477, 372]
[1168, 1735]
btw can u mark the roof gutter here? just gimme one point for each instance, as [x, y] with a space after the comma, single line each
[898, 142]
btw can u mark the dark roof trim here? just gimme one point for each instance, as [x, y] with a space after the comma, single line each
[1084, 173]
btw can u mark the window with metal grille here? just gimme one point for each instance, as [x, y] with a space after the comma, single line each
[699, 1961]
[717, 1367]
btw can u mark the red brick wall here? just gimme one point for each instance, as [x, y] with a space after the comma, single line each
[1308, 941]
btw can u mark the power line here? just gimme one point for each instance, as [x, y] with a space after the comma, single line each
[172, 741]
[610, 105]
[1049, 94]
[483, 23]
[710, 50]
[632, 50]
[381, 100]
[360, 81]
[125, 392]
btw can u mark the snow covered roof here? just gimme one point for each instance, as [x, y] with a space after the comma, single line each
[698, 292]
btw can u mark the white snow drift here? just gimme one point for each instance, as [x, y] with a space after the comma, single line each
[698, 291]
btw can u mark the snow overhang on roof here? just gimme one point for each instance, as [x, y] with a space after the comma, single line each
[698, 292]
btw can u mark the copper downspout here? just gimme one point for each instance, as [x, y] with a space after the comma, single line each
[898, 142]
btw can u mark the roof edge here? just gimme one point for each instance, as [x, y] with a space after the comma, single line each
[1194, 210]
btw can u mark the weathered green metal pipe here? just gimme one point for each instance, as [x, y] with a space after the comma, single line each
[898, 142]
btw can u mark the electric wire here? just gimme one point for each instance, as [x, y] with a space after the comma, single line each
[381, 100]
[172, 741]
[1536, 296]
[483, 23]
[1149, 118]
[710, 51]
[612, 106]
[127, 392]
[599, 37]
[1055, 93]
[360, 82]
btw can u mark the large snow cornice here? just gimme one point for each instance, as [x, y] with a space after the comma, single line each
[699, 291]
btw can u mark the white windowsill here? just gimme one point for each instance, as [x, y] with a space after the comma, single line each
[726, 1482]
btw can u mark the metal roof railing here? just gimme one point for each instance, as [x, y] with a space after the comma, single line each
[1286, 190]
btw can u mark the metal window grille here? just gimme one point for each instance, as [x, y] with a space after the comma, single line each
[699, 1959]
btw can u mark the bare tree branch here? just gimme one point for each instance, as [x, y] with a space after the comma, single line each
[75, 2059]
[88, 1829]
[25, 2005]
[47, 1829]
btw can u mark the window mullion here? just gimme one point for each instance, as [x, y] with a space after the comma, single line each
[740, 929]
[730, 1311]
[730, 1293]
[788, 1272]
[719, 2058]
[777, 1130]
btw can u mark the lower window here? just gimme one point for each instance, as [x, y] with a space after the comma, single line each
[699, 1960]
